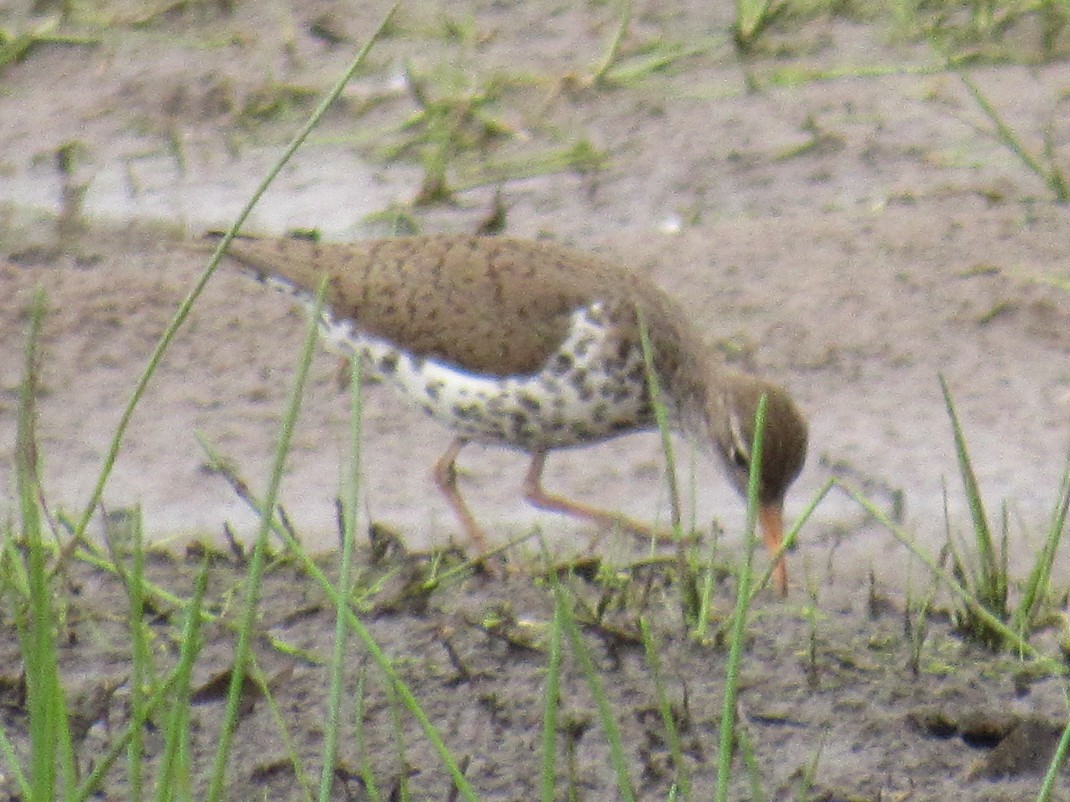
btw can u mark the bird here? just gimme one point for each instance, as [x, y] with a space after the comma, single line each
[536, 346]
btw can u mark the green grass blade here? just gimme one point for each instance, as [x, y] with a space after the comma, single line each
[187, 304]
[993, 578]
[1056, 764]
[662, 419]
[383, 662]
[1036, 587]
[14, 766]
[350, 499]
[625, 789]
[142, 669]
[366, 773]
[743, 596]
[672, 735]
[1051, 176]
[549, 715]
[91, 785]
[752, 17]
[173, 780]
[256, 563]
[292, 752]
[599, 73]
[50, 738]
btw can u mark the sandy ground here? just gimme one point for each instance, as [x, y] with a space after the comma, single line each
[853, 238]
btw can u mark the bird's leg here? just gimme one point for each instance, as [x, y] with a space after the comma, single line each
[446, 478]
[536, 496]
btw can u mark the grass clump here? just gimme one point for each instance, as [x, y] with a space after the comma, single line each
[988, 608]
[980, 565]
[1045, 166]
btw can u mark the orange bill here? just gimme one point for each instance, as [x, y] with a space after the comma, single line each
[771, 519]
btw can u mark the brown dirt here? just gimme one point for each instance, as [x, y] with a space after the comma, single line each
[853, 238]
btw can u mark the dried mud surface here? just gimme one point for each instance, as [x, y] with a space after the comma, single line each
[852, 237]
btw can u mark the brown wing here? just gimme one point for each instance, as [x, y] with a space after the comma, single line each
[485, 304]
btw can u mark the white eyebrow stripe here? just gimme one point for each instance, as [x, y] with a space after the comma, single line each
[735, 428]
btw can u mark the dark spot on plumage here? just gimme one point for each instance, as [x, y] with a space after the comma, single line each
[388, 364]
[562, 363]
[464, 411]
[581, 431]
[529, 402]
[434, 390]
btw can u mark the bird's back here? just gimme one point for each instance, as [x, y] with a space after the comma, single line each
[485, 304]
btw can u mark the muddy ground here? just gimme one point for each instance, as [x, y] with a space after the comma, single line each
[834, 210]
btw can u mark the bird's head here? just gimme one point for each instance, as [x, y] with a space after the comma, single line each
[730, 419]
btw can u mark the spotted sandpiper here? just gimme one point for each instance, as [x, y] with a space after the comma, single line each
[535, 346]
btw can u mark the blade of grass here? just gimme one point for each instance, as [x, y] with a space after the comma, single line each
[750, 760]
[300, 774]
[92, 783]
[625, 790]
[367, 776]
[662, 419]
[142, 670]
[690, 601]
[752, 17]
[350, 499]
[400, 791]
[743, 596]
[173, 775]
[1057, 761]
[1039, 578]
[672, 735]
[50, 738]
[549, 714]
[187, 304]
[14, 766]
[368, 641]
[598, 75]
[1051, 176]
[256, 563]
[993, 578]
